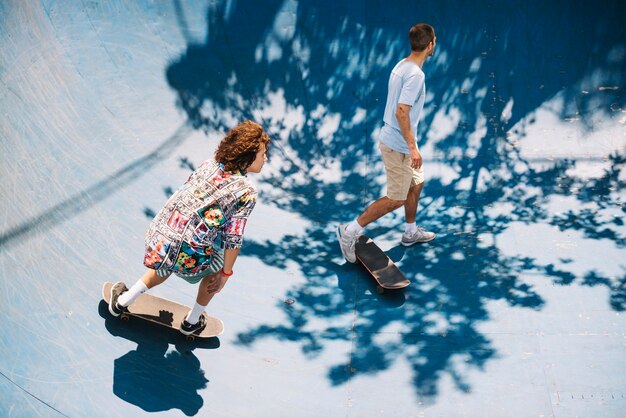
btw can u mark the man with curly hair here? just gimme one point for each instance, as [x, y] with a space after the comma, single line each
[211, 208]
[398, 146]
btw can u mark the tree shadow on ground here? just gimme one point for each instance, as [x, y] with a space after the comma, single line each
[315, 75]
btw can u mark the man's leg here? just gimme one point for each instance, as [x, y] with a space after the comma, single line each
[121, 296]
[210, 285]
[150, 279]
[195, 321]
[207, 289]
[378, 209]
[347, 234]
[414, 234]
[411, 203]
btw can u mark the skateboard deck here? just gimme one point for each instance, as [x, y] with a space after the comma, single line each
[164, 312]
[380, 266]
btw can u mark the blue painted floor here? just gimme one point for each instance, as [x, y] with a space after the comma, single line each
[517, 309]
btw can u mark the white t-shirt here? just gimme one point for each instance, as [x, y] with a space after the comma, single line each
[407, 85]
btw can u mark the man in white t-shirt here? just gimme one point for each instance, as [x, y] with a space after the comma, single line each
[398, 146]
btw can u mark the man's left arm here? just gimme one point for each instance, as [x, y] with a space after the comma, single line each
[404, 121]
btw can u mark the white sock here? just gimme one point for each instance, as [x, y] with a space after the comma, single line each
[410, 228]
[133, 293]
[353, 228]
[194, 315]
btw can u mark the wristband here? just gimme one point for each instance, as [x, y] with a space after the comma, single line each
[225, 274]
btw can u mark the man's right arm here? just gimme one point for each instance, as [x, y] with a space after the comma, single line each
[404, 121]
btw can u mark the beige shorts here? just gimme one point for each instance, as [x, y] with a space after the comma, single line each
[400, 175]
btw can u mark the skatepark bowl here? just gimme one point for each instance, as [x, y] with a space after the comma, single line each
[516, 309]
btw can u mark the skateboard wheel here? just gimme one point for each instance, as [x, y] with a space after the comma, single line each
[380, 290]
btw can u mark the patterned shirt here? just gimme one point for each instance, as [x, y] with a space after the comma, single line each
[212, 204]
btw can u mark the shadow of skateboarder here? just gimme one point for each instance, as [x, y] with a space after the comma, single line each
[153, 377]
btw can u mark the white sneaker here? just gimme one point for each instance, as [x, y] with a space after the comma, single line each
[347, 243]
[418, 236]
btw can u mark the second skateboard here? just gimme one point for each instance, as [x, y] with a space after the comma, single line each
[381, 267]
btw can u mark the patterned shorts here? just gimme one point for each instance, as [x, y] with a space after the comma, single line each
[217, 263]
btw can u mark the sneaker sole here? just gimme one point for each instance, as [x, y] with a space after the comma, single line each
[341, 247]
[187, 333]
[408, 244]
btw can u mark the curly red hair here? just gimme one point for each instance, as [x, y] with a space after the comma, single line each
[239, 147]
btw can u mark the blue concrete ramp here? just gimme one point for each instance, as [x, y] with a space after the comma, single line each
[517, 309]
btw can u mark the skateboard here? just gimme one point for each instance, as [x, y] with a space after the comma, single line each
[164, 312]
[385, 272]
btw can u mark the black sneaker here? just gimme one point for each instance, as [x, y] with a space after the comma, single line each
[187, 329]
[116, 290]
